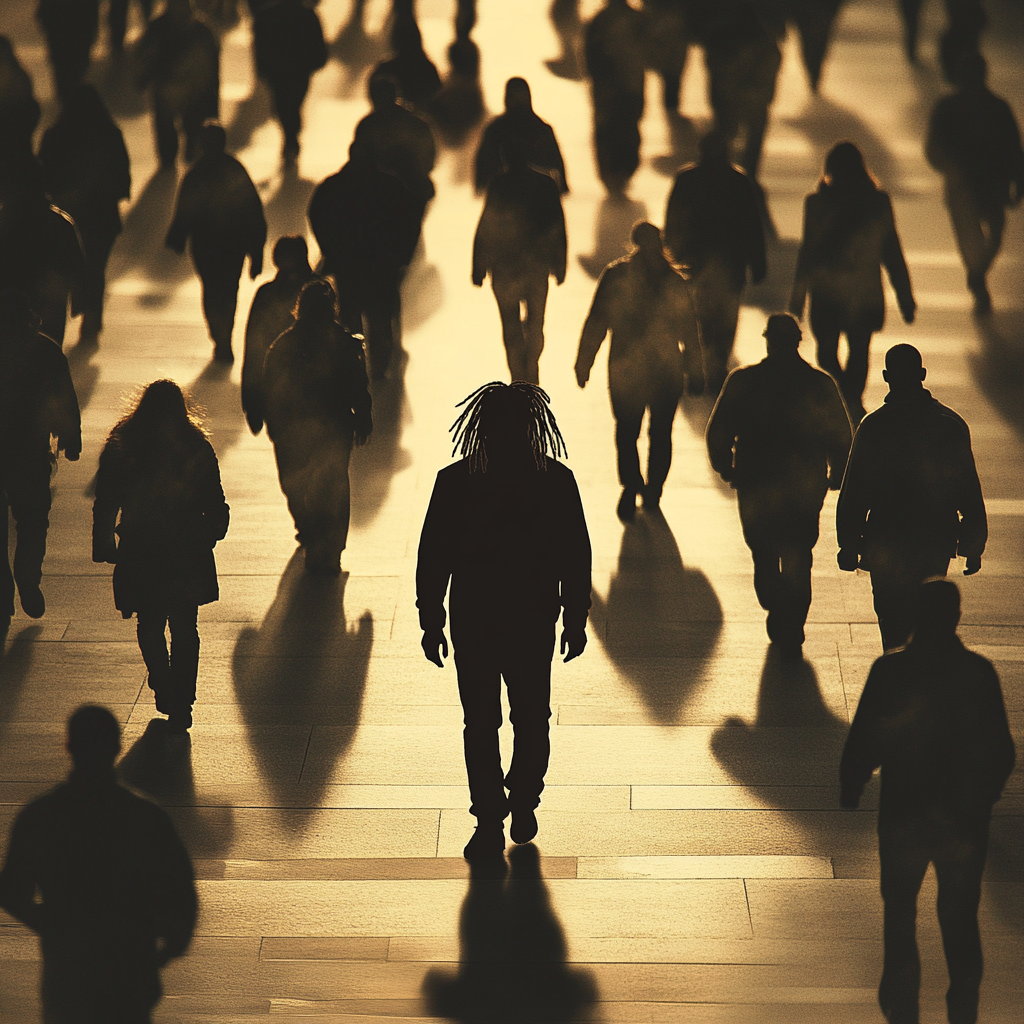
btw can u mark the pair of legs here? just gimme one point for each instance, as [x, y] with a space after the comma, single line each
[852, 378]
[26, 493]
[289, 95]
[896, 578]
[165, 125]
[716, 301]
[94, 285]
[979, 234]
[523, 337]
[370, 304]
[906, 848]
[617, 138]
[173, 673]
[220, 271]
[781, 535]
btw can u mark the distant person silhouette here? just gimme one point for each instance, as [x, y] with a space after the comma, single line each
[41, 255]
[398, 141]
[367, 224]
[178, 58]
[520, 130]
[932, 718]
[317, 406]
[565, 20]
[37, 401]
[655, 349]
[19, 116]
[100, 875]
[974, 143]
[87, 173]
[911, 498]
[780, 435]
[666, 41]
[965, 20]
[158, 470]
[412, 71]
[505, 527]
[117, 21]
[814, 20]
[70, 28]
[849, 235]
[288, 44]
[459, 107]
[220, 215]
[713, 228]
[520, 241]
[271, 314]
[613, 50]
[910, 12]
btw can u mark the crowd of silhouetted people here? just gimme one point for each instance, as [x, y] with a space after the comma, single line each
[99, 873]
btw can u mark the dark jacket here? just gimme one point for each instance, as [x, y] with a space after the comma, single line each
[780, 425]
[848, 237]
[713, 214]
[518, 130]
[522, 227]
[932, 717]
[37, 400]
[288, 42]
[614, 58]
[173, 512]
[911, 483]
[114, 880]
[516, 551]
[182, 64]
[402, 144]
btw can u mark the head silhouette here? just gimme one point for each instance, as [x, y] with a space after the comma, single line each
[517, 95]
[16, 313]
[291, 254]
[161, 411]
[383, 92]
[714, 149]
[93, 740]
[646, 237]
[782, 334]
[845, 168]
[938, 610]
[317, 303]
[904, 370]
[212, 140]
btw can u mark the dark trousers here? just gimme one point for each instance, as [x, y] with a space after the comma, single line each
[26, 494]
[165, 127]
[628, 407]
[617, 139]
[289, 96]
[220, 273]
[854, 377]
[958, 853]
[94, 282]
[978, 227]
[483, 657]
[781, 536]
[524, 338]
[173, 673]
[370, 304]
[896, 577]
[716, 300]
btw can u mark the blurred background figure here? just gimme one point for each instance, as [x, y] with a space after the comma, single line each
[974, 143]
[713, 229]
[655, 350]
[70, 28]
[520, 241]
[117, 21]
[965, 20]
[410, 68]
[849, 235]
[367, 224]
[520, 130]
[159, 512]
[780, 435]
[37, 402]
[565, 20]
[813, 20]
[613, 48]
[288, 44]
[459, 107]
[220, 215]
[178, 60]
[87, 173]
[666, 42]
[317, 405]
[271, 314]
[19, 115]
[100, 874]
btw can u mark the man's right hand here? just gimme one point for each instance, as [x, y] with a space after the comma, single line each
[435, 646]
[848, 560]
[582, 376]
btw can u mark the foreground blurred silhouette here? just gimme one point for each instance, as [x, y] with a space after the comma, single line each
[518, 130]
[37, 401]
[158, 470]
[655, 350]
[520, 241]
[288, 44]
[271, 314]
[849, 235]
[87, 173]
[974, 143]
[102, 877]
[713, 228]
[505, 526]
[71, 28]
[512, 956]
[780, 435]
[932, 718]
[317, 404]
[19, 115]
[410, 68]
[911, 498]
[220, 214]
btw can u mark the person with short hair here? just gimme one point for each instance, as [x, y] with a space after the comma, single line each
[932, 718]
[101, 876]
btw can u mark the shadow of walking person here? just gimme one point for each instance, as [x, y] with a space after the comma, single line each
[303, 666]
[512, 960]
[656, 608]
[615, 219]
[220, 399]
[160, 766]
[84, 372]
[286, 211]
[999, 366]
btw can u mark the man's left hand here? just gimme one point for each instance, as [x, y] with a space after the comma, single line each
[574, 642]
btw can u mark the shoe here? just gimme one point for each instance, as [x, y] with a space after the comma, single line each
[223, 354]
[651, 497]
[524, 825]
[487, 841]
[32, 602]
[179, 722]
[626, 509]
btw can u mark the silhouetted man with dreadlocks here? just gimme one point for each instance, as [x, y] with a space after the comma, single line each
[506, 526]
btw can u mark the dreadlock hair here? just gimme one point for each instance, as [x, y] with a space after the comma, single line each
[495, 400]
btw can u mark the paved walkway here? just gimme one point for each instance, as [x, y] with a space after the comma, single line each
[695, 864]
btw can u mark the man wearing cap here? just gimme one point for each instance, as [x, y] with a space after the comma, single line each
[780, 435]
